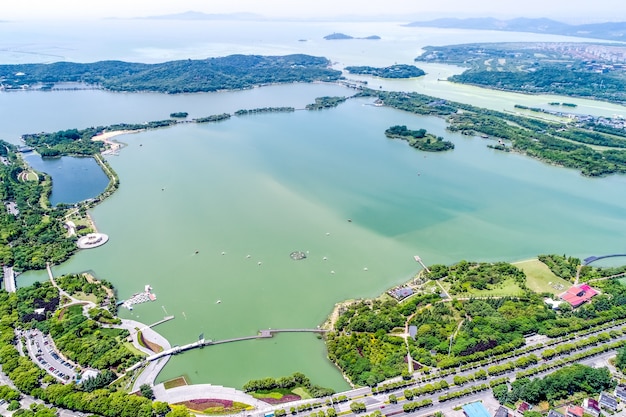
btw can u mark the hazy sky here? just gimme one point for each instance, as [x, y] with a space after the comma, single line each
[570, 10]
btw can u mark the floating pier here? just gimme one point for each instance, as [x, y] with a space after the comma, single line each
[138, 298]
[418, 259]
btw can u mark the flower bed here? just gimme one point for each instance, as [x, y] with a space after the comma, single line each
[284, 399]
[214, 406]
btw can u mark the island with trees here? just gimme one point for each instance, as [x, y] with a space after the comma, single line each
[342, 36]
[393, 71]
[419, 139]
[560, 143]
[261, 110]
[232, 72]
[572, 69]
[325, 102]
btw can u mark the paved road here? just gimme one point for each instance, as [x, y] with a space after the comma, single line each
[27, 400]
[9, 279]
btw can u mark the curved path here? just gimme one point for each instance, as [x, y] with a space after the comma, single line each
[205, 391]
[591, 259]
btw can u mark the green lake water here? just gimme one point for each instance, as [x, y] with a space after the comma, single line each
[263, 186]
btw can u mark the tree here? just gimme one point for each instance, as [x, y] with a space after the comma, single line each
[620, 360]
[357, 407]
[393, 399]
[179, 411]
[146, 391]
[160, 408]
[501, 393]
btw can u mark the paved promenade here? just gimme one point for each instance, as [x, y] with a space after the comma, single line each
[198, 391]
[9, 279]
[152, 369]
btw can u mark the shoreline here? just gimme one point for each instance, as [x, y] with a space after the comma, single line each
[112, 146]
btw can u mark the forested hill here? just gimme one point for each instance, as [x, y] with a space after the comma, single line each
[609, 30]
[212, 74]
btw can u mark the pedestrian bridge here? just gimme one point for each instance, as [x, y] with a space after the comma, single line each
[263, 334]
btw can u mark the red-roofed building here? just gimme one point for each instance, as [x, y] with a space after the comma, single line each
[574, 411]
[578, 294]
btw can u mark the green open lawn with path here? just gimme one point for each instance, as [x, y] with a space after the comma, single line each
[540, 279]
[506, 288]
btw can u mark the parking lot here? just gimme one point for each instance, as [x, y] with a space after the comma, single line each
[43, 352]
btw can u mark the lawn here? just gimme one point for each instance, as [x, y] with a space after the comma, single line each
[505, 288]
[540, 279]
[302, 393]
[85, 297]
[133, 349]
[176, 382]
[279, 395]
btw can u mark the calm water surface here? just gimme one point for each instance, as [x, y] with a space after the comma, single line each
[256, 188]
[73, 179]
[263, 186]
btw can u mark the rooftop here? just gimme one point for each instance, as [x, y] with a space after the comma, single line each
[578, 295]
[476, 409]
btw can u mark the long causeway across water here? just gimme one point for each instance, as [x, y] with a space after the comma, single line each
[263, 334]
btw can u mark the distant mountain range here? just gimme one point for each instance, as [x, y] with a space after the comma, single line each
[191, 15]
[615, 31]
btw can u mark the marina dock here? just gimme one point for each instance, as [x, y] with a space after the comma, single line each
[138, 298]
[418, 259]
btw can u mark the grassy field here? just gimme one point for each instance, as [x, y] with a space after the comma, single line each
[302, 393]
[85, 297]
[133, 349]
[540, 279]
[506, 288]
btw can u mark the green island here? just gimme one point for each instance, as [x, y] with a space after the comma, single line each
[393, 71]
[325, 103]
[342, 36]
[563, 68]
[560, 143]
[186, 76]
[244, 112]
[419, 139]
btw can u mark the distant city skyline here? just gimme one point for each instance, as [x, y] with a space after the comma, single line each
[562, 10]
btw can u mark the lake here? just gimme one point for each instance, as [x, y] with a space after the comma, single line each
[246, 192]
[73, 179]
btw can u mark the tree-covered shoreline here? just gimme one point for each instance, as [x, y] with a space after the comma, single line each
[369, 344]
[549, 141]
[565, 68]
